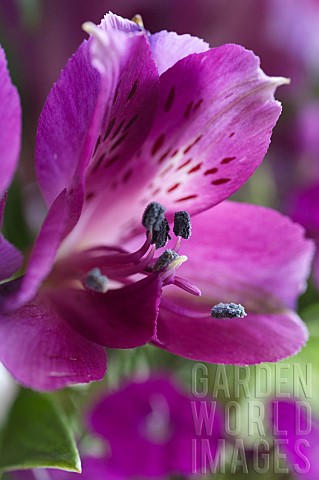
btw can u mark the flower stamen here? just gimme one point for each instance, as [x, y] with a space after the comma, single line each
[96, 281]
[165, 260]
[228, 310]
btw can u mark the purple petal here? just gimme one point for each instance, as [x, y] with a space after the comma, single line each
[169, 47]
[113, 22]
[71, 142]
[64, 122]
[10, 131]
[127, 429]
[242, 341]
[43, 254]
[42, 352]
[122, 318]
[212, 130]
[128, 118]
[298, 431]
[10, 259]
[247, 254]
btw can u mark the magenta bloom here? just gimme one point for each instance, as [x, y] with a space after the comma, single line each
[298, 432]
[10, 138]
[136, 118]
[150, 427]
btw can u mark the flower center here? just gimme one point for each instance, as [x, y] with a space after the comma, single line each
[102, 268]
[105, 267]
[156, 426]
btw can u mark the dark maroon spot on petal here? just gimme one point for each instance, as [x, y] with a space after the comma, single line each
[116, 92]
[170, 99]
[117, 131]
[98, 163]
[187, 149]
[195, 169]
[156, 191]
[231, 134]
[109, 129]
[220, 181]
[189, 197]
[131, 122]
[198, 104]
[229, 95]
[174, 153]
[96, 145]
[166, 170]
[188, 109]
[111, 161]
[164, 156]
[89, 196]
[211, 171]
[184, 164]
[158, 144]
[171, 189]
[133, 91]
[119, 141]
[227, 160]
[127, 175]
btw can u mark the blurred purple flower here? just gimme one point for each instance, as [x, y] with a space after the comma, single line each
[150, 427]
[134, 118]
[298, 431]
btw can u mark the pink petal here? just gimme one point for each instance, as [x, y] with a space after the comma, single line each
[10, 131]
[247, 254]
[212, 130]
[122, 318]
[169, 47]
[42, 352]
[242, 341]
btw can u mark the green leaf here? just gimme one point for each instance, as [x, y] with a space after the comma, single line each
[37, 434]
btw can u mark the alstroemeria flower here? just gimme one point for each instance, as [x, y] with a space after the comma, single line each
[10, 138]
[136, 118]
[298, 431]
